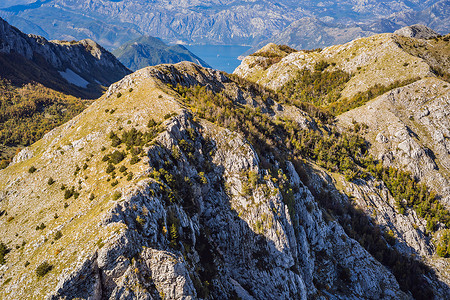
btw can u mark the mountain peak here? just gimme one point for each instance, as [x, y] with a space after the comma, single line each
[417, 31]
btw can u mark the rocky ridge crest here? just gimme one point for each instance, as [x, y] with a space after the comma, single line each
[82, 63]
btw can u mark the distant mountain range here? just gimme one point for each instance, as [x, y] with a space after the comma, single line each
[149, 51]
[112, 23]
[304, 175]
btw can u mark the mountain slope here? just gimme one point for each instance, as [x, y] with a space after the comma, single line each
[158, 202]
[149, 51]
[369, 67]
[406, 125]
[81, 68]
[409, 128]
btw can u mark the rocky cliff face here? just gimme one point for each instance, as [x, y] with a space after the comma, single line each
[74, 63]
[417, 31]
[148, 201]
[408, 128]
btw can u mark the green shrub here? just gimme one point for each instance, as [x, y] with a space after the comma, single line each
[134, 160]
[321, 66]
[41, 227]
[43, 269]
[173, 235]
[69, 193]
[3, 251]
[130, 176]
[116, 195]
[151, 123]
[168, 116]
[117, 157]
[50, 181]
[110, 168]
[115, 140]
[58, 235]
[32, 169]
[140, 221]
[77, 169]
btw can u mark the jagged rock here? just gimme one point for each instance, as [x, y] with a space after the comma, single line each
[24, 154]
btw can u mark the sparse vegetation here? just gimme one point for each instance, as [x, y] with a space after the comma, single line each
[3, 251]
[362, 98]
[41, 227]
[317, 87]
[58, 235]
[343, 152]
[43, 269]
[50, 181]
[116, 196]
[168, 116]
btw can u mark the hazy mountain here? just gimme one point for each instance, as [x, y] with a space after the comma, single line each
[218, 22]
[149, 51]
[184, 182]
[314, 32]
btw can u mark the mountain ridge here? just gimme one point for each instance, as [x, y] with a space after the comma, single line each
[74, 65]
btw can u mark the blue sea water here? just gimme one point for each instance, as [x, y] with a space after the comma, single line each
[224, 58]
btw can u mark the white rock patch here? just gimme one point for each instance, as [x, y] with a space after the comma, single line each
[74, 78]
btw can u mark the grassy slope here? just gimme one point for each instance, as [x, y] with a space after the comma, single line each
[57, 155]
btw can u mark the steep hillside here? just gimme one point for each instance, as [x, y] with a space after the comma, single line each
[181, 182]
[81, 68]
[409, 128]
[149, 51]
